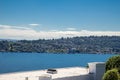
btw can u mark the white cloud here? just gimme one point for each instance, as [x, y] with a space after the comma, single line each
[4, 26]
[8, 32]
[71, 29]
[34, 25]
[13, 27]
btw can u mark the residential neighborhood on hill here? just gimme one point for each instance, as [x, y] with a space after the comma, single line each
[91, 44]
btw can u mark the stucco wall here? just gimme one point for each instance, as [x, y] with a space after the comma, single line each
[81, 77]
[100, 69]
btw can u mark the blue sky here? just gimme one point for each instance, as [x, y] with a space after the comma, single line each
[60, 15]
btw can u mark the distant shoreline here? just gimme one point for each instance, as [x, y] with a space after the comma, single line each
[51, 53]
[75, 45]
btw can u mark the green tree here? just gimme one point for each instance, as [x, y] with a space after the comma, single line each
[111, 75]
[113, 62]
[112, 68]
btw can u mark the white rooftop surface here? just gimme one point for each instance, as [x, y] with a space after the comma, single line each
[33, 75]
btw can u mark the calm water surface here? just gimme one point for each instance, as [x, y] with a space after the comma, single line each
[14, 62]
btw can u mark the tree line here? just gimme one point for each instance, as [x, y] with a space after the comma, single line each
[91, 44]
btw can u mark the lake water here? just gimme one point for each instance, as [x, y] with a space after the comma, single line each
[14, 62]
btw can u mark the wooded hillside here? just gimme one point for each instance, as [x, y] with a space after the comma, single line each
[92, 44]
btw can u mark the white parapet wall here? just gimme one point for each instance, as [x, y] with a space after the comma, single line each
[44, 77]
[80, 77]
[97, 69]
